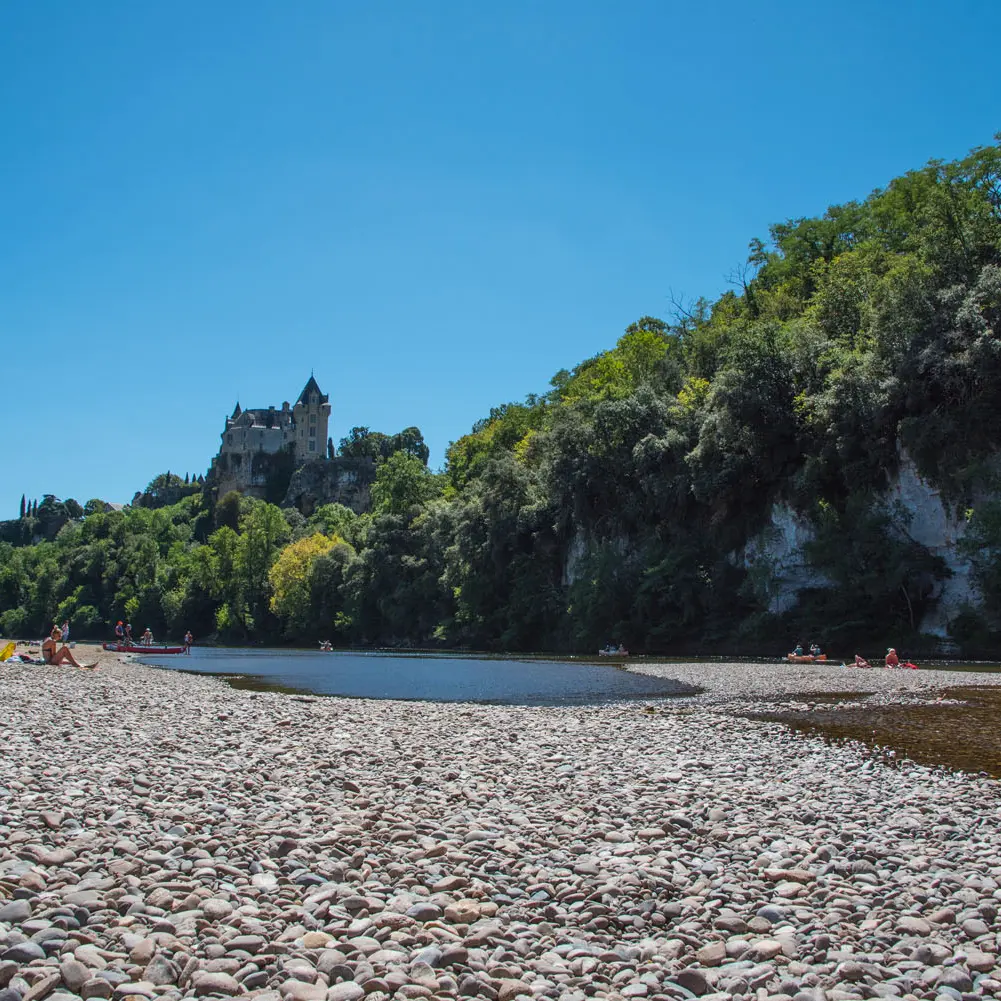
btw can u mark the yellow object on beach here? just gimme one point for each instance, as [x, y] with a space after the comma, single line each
[7, 651]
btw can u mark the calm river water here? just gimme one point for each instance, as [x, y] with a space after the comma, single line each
[447, 678]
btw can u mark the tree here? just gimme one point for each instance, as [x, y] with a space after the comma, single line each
[409, 440]
[290, 581]
[362, 443]
[402, 482]
[264, 530]
[21, 515]
[227, 511]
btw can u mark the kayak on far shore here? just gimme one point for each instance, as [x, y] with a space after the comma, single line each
[141, 648]
[806, 658]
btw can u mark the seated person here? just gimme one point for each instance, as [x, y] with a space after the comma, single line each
[54, 655]
[815, 650]
[892, 660]
[798, 652]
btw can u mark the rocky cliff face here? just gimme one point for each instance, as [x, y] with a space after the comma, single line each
[346, 481]
[775, 556]
[938, 527]
[774, 559]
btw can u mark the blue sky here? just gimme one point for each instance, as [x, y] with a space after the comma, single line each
[433, 206]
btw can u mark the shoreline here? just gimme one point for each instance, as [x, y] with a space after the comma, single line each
[741, 679]
[163, 835]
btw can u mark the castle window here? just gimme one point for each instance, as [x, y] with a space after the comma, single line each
[229, 438]
[312, 398]
[312, 432]
[312, 444]
[312, 418]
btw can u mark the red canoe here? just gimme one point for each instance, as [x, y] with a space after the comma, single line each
[139, 648]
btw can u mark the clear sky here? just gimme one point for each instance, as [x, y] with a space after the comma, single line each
[434, 206]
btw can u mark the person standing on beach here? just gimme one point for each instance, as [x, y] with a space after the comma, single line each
[65, 632]
[188, 640]
[128, 633]
[119, 632]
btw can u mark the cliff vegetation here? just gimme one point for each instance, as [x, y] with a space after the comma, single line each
[633, 501]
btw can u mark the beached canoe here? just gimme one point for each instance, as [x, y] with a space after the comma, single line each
[139, 648]
[805, 658]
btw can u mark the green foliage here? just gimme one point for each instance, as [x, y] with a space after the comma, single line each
[402, 482]
[363, 443]
[616, 506]
[881, 580]
[982, 547]
[290, 577]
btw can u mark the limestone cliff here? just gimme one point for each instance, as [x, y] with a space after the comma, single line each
[343, 480]
[938, 526]
[775, 557]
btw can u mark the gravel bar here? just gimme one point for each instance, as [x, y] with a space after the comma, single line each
[744, 679]
[163, 835]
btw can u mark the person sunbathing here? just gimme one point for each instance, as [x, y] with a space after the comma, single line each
[861, 661]
[54, 655]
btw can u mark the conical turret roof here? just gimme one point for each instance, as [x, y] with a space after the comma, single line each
[310, 387]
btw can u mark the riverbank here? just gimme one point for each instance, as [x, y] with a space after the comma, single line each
[164, 835]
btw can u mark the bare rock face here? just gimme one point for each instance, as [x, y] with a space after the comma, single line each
[343, 480]
[938, 526]
[779, 550]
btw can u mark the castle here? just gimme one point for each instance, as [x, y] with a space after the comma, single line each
[257, 443]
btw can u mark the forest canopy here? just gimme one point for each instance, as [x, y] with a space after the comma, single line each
[619, 504]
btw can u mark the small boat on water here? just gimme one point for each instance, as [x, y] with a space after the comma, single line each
[806, 658]
[140, 648]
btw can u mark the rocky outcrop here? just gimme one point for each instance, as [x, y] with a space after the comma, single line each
[775, 559]
[574, 558]
[938, 526]
[346, 481]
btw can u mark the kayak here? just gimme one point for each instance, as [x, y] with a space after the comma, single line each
[139, 648]
[806, 658]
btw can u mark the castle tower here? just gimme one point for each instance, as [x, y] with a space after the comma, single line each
[310, 415]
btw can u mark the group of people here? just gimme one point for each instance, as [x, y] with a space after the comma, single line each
[891, 660]
[815, 650]
[123, 636]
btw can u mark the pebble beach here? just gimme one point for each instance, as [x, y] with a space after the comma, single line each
[163, 835]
